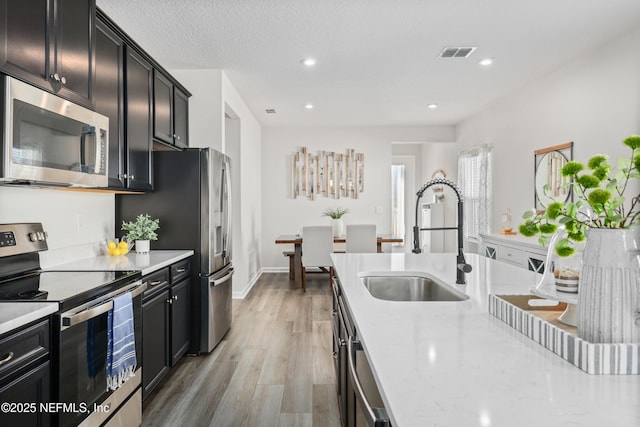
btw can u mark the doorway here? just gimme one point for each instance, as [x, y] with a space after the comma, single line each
[403, 190]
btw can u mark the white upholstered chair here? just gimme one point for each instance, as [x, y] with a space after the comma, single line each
[361, 238]
[317, 245]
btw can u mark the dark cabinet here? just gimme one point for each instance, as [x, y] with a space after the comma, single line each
[25, 375]
[180, 319]
[181, 117]
[170, 112]
[139, 85]
[109, 97]
[166, 322]
[155, 338]
[49, 43]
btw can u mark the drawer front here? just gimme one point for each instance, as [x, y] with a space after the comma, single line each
[156, 281]
[512, 255]
[180, 270]
[22, 348]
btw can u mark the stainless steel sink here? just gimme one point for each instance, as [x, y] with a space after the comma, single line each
[410, 288]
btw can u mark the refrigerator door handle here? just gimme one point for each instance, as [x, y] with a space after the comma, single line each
[223, 279]
[226, 191]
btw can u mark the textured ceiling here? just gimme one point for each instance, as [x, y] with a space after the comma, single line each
[377, 59]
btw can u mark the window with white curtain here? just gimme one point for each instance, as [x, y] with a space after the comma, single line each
[397, 200]
[474, 178]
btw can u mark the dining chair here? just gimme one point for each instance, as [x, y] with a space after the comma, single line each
[317, 245]
[361, 238]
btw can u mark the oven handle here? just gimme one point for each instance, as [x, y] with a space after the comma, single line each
[89, 311]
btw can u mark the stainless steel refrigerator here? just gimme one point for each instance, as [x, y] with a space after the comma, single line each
[192, 199]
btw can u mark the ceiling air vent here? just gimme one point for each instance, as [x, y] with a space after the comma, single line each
[270, 111]
[456, 52]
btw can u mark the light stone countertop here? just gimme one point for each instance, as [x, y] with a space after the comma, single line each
[14, 315]
[454, 364]
[146, 263]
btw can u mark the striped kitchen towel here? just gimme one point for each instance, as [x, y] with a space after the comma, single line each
[121, 346]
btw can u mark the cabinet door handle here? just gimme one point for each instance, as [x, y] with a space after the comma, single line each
[55, 77]
[155, 282]
[175, 297]
[7, 358]
[170, 301]
[178, 137]
[181, 270]
[63, 80]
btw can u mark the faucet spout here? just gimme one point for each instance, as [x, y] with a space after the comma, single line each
[461, 265]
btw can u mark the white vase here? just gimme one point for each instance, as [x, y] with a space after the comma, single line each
[338, 227]
[142, 246]
[609, 294]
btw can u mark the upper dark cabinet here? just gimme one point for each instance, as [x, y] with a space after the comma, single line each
[108, 96]
[139, 85]
[170, 112]
[49, 43]
[181, 117]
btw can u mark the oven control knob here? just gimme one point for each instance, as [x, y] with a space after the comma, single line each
[40, 235]
[32, 236]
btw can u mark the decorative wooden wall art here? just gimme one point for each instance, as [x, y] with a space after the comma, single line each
[327, 174]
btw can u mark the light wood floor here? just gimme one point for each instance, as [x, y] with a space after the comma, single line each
[273, 368]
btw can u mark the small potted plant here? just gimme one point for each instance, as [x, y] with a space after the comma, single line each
[336, 219]
[142, 231]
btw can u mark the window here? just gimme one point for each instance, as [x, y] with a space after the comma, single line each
[474, 170]
[397, 200]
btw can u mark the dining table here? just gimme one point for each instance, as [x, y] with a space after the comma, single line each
[295, 266]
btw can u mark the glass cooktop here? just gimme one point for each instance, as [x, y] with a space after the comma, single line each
[68, 288]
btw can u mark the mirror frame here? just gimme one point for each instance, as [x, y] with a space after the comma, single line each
[565, 150]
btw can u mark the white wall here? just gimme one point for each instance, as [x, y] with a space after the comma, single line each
[76, 221]
[282, 214]
[213, 96]
[593, 100]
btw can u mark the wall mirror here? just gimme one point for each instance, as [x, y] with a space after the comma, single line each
[550, 185]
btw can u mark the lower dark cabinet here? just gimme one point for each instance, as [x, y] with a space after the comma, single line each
[30, 389]
[155, 339]
[166, 322]
[25, 376]
[180, 319]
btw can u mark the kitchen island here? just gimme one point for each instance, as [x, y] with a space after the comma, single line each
[454, 364]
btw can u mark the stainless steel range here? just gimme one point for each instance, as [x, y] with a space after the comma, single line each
[79, 335]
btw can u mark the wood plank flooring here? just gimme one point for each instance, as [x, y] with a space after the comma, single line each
[273, 368]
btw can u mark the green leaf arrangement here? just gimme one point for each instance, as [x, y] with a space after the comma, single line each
[600, 191]
[335, 213]
[143, 228]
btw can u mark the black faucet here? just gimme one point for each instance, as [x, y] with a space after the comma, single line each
[461, 265]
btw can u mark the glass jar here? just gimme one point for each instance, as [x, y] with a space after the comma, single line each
[562, 272]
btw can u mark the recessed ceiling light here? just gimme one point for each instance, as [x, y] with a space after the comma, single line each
[309, 106]
[486, 62]
[432, 106]
[309, 62]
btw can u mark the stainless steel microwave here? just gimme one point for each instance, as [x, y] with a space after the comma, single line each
[47, 140]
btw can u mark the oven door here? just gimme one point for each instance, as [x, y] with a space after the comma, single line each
[50, 140]
[82, 356]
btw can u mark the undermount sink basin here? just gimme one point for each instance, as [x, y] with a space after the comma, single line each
[410, 288]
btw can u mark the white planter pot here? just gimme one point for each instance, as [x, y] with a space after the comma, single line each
[142, 246]
[609, 293]
[338, 227]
